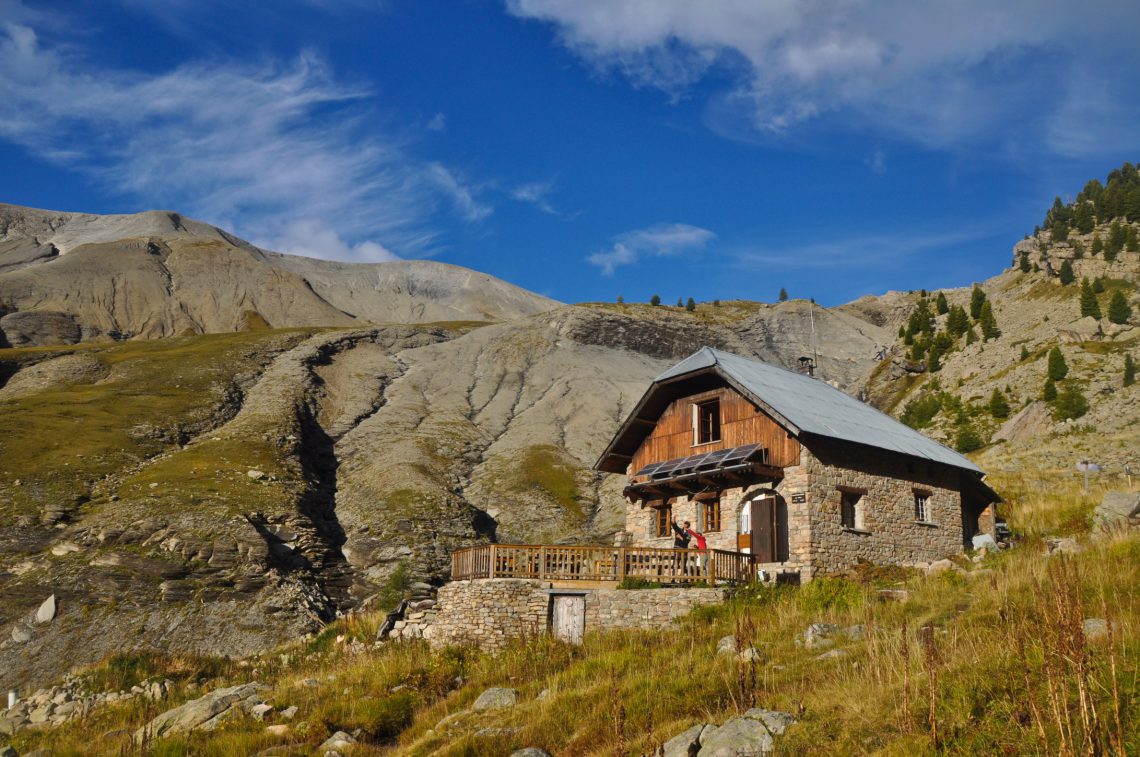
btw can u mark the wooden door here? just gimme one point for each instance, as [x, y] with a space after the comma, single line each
[763, 518]
[568, 617]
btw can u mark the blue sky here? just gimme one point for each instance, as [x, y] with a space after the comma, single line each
[582, 148]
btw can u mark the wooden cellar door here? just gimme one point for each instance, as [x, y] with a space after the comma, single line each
[764, 529]
[568, 617]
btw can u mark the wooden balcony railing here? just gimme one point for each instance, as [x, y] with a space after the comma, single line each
[572, 563]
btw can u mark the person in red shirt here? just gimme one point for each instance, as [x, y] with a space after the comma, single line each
[702, 545]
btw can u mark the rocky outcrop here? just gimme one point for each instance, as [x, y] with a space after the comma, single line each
[39, 328]
[203, 714]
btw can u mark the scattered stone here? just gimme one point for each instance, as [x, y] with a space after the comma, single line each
[204, 713]
[259, 711]
[774, 720]
[894, 595]
[339, 740]
[21, 634]
[1095, 629]
[685, 744]
[310, 683]
[940, 566]
[280, 729]
[832, 654]
[855, 633]
[984, 541]
[1118, 509]
[738, 737]
[752, 654]
[1063, 546]
[289, 712]
[255, 474]
[65, 548]
[817, 635]
[496, 699]
[727, 645]
[530, 751]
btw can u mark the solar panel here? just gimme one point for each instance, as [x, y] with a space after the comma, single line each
[714, 458]
[740, 454]
[649, 470]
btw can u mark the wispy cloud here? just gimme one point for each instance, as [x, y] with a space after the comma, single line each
[437, 123]
[536, 194]
[850, 253]
[943, 73]
[279, 152]
[662, 239]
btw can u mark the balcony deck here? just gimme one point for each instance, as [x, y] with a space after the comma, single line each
[602, 566]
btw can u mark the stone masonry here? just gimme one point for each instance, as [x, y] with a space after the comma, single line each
[489, 613]
[817, 541]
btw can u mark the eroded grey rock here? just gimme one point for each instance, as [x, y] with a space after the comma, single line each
[686, 743]
[496, 699]
[339, 740]
[201, 713]
[1095, 629]
[776, 721]
[738, 737]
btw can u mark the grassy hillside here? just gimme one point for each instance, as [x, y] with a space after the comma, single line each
[987, 660]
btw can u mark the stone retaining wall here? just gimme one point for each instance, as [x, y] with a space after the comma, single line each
[489, 613]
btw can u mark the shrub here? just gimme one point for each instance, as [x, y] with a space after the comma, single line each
[381, 718]
[918, 413]
[968, 439]
[1070, 404]
[655, 300]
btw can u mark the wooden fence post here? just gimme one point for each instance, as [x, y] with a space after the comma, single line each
[622, 554]
[712, 567]
[542, 563]
[494, 567]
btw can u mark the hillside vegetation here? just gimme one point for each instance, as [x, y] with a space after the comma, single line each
[992, 658]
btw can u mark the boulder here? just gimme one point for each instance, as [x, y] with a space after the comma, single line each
[752, 654]
[197, 713]
[1062, 546]
[817, 635]
[1032, 421]
[774, 720]
[938, 566]
[530, 751]
[855, 632]
[47, 610]
[686, 743]
[289, 712]
[727, 645]
[21, 634]
[983, 541]
[738, 737]
[1095, 629]
[894, 595]
[496, 699]
[339, 740]
[1118, 509]
[280, 730]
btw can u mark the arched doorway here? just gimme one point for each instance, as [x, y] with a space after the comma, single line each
[763, 529]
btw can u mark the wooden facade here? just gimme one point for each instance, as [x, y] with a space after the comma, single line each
[741, 423]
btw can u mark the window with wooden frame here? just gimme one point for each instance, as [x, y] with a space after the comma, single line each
[851, 507]
[922, 506]
[663, 520]
[706, 422]
[710, 514]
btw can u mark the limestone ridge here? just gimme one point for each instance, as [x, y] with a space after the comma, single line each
[69, 277]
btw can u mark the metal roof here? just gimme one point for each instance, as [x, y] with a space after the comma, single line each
[809, 406]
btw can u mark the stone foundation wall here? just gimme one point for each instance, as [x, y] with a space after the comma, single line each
[489, 613]
[608, 609]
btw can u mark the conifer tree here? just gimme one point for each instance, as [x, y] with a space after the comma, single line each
[1049, 393]
[999, 408]
[1097, 245]
[1131, 242]
[902, 331]
[971, 335]
[1058, 368]
[1118, 309]
[1067, 276]
[1083, 217]
[957, 322]
[680, 303]
[941, 305]
[1024, 353]
[783, 294]
[1070, 404]
[620, 300]
[977, 299]
[989, 325]
[1129, 370]
[691, 305]
[1089, 304]
[1115, 241]
[968, 439]
[1078, 249]
[1023, 263]
[655, 300]
[1098, 285]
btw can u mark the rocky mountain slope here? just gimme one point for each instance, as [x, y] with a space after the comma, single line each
[70, 277]
[225, 491]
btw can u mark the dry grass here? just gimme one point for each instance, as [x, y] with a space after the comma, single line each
[991, 661]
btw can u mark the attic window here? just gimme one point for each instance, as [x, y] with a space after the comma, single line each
[706, 422]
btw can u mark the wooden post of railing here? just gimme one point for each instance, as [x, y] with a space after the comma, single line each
[494, 563]
[621, 564]
[712, 567]
[542, 563]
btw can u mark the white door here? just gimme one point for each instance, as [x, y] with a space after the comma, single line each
[568, 619]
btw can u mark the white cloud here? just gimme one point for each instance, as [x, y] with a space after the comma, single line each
[261, 147]
[438, 122]
[662, 239]
[535, 193]
[942, 73]
[857, 253]
[311, 238]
